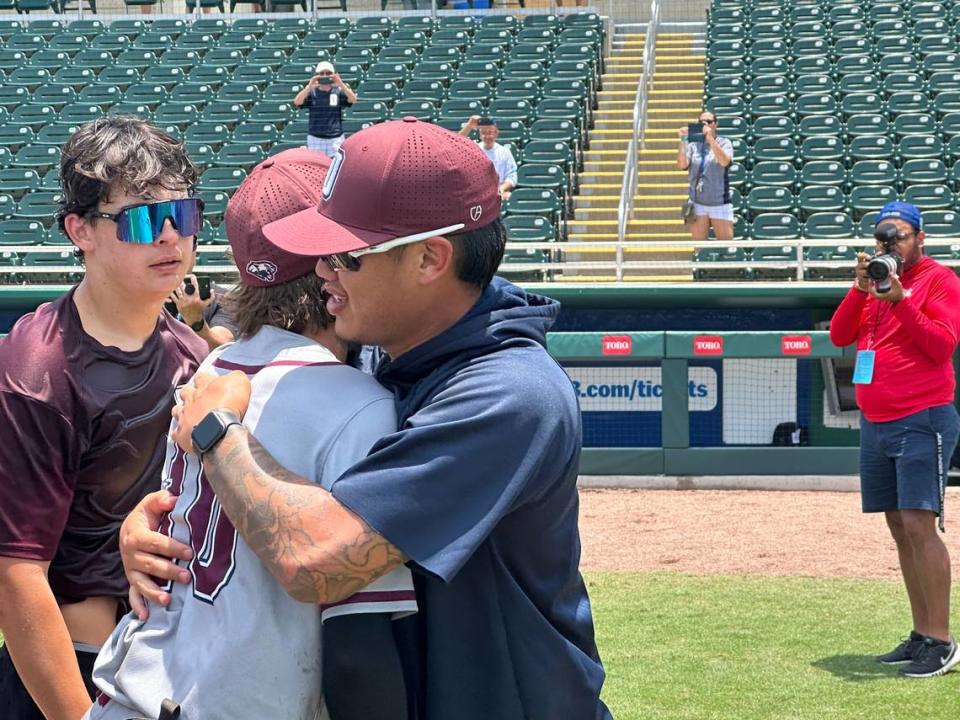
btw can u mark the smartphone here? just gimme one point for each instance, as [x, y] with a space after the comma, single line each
[325, 81]
[203, 285]
[695, 132]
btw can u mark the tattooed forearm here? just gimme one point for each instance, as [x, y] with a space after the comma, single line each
[317, 549]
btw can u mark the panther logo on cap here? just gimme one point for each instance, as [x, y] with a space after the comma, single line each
[263, 270]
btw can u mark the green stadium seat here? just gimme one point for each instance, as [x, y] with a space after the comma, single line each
[807, 65]
[274, 58]
[859, 83]
[936, 27]
[229, 114]
[40, 207]
[769, 199]
[941, 81]
[873, 172]
[949, 251]
[529, 228]
[535, 201]
[27, 42]
[919, 146]
[267, 111]
[33, 117]
[380, 90]
[255, 26]
[871, 147]
[239, 39]
[206, 133]
[923, 172]
[12, 97]
[761, 85]
[818, 126]
[867, 124]
[727, 66]
[18, 181]
[367, 112]
[29, 77]
[733, 85]
[858, 64]
[780, 149]
[470, 90]
[181, 115]
[765, 65]
[52, 59]
[849, 28]
[54, 135]
[775, 263]
[937, 62]
[817, 85]
[19, 231]
[769, 172]
[239, 92]
[915, 124]
[225, 179]
[131, 108]
[928, 197]
[838, 254]
[420, 109]
[823, 172]
[230, 58]
[900, 103]
[212, 75]
[136, 58]
[432, 89]
[893, 44]
[947, 101]
[822, 147]
[40, 158]
[116, 76]
[726, 106]
[769, 47]
[820, 199]
[828, 225]
[766, 128]
[55, 96]
[143, 93]
[867, 198]
[815, 104]
[705, 257]
[941, 223]
[810, 40]
[861, 103]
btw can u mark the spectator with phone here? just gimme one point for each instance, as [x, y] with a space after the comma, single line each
[707, 158]
[502, 159]
[325, 95]
[197, 304]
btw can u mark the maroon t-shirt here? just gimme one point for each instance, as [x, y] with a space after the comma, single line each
[82, 440]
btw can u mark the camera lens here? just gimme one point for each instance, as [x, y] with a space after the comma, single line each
[880, 267]
[188, 287]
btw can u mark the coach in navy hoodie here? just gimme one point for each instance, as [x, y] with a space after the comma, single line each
[476, 491]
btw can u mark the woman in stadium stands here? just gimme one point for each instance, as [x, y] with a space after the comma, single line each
[708, 164]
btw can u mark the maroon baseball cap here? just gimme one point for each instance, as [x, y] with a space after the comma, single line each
[397, 179]
[280, 186]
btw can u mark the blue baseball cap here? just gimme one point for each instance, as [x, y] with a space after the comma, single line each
[901, 211]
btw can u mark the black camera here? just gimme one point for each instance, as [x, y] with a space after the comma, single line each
[889, 261]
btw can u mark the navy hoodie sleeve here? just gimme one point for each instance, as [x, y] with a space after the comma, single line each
[499, 434]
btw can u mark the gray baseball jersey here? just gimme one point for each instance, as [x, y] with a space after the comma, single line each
[232, 644]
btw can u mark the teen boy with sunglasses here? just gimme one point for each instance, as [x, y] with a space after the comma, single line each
[86, 387]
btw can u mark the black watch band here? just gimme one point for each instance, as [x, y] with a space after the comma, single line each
[209, 431]
[198, 325]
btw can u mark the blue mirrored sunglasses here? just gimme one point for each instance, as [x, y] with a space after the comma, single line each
[142, 224]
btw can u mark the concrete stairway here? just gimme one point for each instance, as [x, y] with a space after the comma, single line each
[675, 100]
[595, 207]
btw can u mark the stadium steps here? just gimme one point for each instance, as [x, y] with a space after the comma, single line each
[676, 99]
[676, 96]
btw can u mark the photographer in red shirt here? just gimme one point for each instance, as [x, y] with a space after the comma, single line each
[903, 312]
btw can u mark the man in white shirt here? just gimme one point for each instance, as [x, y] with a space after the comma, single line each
[500, 156]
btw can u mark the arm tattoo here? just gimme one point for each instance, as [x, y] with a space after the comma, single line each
[317, 549]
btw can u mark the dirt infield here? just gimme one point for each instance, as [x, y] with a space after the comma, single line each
[818, 534]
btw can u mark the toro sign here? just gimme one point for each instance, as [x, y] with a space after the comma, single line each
[708, 345]
[617, 345]
[796, 344]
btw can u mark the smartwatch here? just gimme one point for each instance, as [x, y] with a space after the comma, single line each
[209, 431]
[198, 325]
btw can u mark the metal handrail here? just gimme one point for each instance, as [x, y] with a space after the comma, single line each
[630, 177]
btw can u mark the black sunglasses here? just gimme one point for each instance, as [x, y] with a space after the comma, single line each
[341, 261]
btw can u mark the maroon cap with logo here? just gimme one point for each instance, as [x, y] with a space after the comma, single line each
[396, 179]
[280, 186]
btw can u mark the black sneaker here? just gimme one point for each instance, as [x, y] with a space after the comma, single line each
[904, 652]
[934, 658]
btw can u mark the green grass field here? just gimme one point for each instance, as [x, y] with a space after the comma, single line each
[706, 648]
[751, 648]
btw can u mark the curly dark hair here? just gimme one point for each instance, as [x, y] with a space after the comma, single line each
[297, 305]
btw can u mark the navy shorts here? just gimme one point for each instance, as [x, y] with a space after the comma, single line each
[16, 702]
[903, 463]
